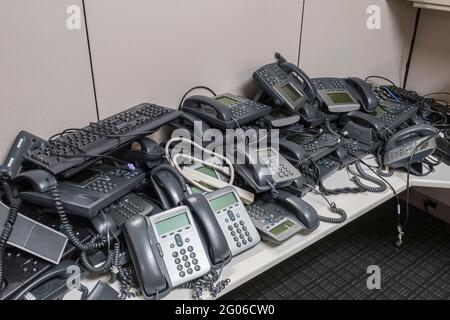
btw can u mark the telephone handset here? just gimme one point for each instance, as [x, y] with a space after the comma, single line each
[281, 217]
[56, 276]
[169, 185]
[286, 84]
[225, 222]
[365, 95]
[344, 95]
[264, 169]
[225, 111]
[166, 251]
[364, 128]
[416, 139]
[218, 249]
[149, 153]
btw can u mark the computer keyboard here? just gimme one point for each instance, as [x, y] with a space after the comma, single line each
[82, 146]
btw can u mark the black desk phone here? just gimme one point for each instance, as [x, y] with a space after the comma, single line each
[113, 217]
[263, 169]
[344, 95]
[395, 114]
[277, 219]
[224, 208]
[293, 147]
[166, 250]
[417, 140]
[286, 84]
[365, 128]
[225, 111]
[91, 190]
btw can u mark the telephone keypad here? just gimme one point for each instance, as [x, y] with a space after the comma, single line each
[185, 264]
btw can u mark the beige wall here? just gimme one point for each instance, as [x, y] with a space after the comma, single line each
[45, 82]
[430, 65]
[337, 42]
[156, 50]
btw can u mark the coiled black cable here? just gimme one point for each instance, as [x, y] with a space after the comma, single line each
[381, 185]
[360, 186]
[333, 208]
[207, 282]
[96, 242]
[9, 191]
[330, 128]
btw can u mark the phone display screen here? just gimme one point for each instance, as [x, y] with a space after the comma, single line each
[173, 223]
[340, 97]
[223, 201]
[206, 170]
[83, 176]
[226, 100]
[282, 228]
[291, 92]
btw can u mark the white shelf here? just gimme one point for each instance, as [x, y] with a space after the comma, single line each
[264, 256]
[442, 5]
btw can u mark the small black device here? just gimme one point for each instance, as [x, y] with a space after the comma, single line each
[225, 111]
[34, 237]
[286, 84]
[77, 149]
[22, 269]
[113, 217]
[344, 95]
[23, 143]
[91, 190]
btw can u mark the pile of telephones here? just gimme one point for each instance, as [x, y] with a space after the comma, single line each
[108, 199]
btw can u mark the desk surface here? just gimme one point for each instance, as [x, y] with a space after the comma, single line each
[265, 255]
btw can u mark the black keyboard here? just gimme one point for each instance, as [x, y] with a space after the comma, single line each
[80, 147]
[395, 115]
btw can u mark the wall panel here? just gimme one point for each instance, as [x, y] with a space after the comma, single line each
[156, 50]
[45, 81]
[337, 42]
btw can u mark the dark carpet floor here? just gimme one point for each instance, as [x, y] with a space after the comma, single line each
[336, 267]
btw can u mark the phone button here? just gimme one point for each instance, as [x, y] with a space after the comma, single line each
[178, 240]
[160, 250]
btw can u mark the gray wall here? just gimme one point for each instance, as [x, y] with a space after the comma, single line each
[156, 50]
[430, 66]
[45, 81]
